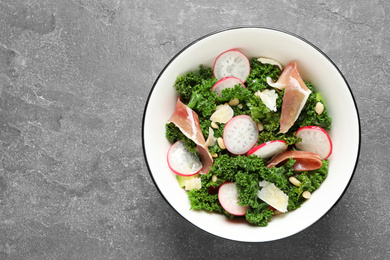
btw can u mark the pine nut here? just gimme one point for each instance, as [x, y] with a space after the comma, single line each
[234, 102]
[306, 194]
[214, 155]
[214, 178]
[294, 181]
[319, 108]
[260, 126]
[214, 125]
[239, 106]
[221, 143]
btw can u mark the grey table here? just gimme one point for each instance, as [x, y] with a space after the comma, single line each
[74, 79]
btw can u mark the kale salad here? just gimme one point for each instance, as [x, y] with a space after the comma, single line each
[242, 145]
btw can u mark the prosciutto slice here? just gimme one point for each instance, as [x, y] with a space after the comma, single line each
[295, 95]
[188, 123]
[305, 161]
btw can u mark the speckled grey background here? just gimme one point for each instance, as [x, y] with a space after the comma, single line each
[74, 78]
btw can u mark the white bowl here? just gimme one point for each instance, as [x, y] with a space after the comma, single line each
[314, 66]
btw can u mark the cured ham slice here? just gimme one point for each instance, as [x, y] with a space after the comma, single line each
[295, 95]
[305, 161]
[281, 83]
[188, 123]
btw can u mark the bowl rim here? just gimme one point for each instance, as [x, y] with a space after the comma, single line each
[263, 28]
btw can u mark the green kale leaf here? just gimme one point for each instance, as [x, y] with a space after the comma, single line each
[188, 83]
[310, 181]
[259, 215]
[308, 115]
[266, 136]
[202, 199]
[257, 79]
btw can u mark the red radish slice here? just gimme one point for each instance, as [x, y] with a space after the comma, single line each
[181, 161]
[232, 63]
[228, 197]
[240, 134]
[269, 149]
[314, 139]
[226, 82]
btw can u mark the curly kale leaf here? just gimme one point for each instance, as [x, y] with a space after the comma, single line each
[250, 105]
[279, 175]
[202, 199]
[261, 113]
[242, 94]
[195, 90]
[259, 215]
[313, 179]
[247, 182]
[257, 79]
[266, 136]
[248, 186]
[187, 84]
[226, 167]
[308, 115]
[310, 181]
[203, 100]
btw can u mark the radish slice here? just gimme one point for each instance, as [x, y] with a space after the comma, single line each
[232, 63]
[240, 134]
[226, 82]
[228, 197]
[316, 140]
[269, 149]
[181, 161]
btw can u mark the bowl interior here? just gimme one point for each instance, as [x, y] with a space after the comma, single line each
[315, 67]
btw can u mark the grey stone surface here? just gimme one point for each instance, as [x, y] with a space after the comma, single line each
[74, 79]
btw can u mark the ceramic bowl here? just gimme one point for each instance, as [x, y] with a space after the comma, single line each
[314, 66]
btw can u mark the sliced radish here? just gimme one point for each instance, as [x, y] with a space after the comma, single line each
[314, 139]
[269, 149]
[232, 63]
[181, 161]
[240, 134]
[228, 197]
[226, 82]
